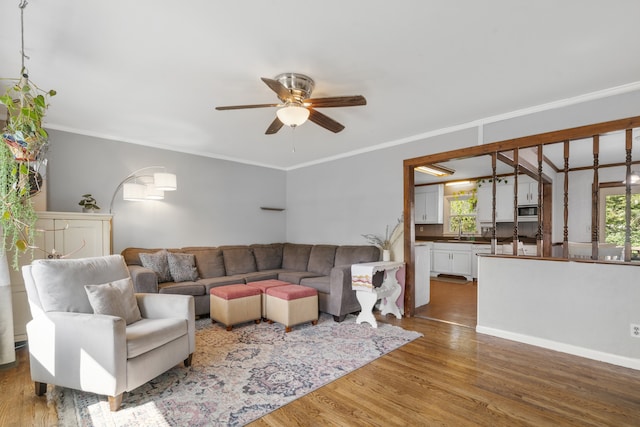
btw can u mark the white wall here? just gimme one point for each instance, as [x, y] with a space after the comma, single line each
[580, 308]
[338, 201]
[217, 201]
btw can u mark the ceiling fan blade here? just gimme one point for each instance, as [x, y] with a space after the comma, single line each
[336, 101]
[324, 121]
[283, 93]
[240, 107]
[274, 127]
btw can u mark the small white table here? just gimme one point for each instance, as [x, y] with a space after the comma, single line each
[368, 295]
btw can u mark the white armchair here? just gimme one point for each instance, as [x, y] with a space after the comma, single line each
[72, 347]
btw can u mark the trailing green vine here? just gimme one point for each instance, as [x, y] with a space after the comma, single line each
[17, 214]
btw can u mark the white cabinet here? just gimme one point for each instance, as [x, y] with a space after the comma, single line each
[429, 202]
[484, 208]
[504, 202]
[423, 269]
[527, 191]
[478, 249]
[451, 258]
[74, 235]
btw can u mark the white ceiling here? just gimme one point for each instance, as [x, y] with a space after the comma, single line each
[151, 72]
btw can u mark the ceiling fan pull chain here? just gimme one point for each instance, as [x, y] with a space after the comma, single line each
[293, 139]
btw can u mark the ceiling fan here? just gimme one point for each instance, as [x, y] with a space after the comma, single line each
[294, 90]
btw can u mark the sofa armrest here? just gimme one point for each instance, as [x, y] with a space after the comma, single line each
[80, 351]
[159, 306]
[144, 280]
[343, 298]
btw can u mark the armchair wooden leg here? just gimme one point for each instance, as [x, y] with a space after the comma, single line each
[115, 402]
[187, 361]
[41, 388]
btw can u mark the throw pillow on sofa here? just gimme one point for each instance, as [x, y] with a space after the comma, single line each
[159, 263]
[182, 267]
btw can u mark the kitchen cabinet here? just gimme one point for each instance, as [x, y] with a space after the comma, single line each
[504, 202]
[74, 235]
[478, 249]
[527, 191]
[452, 258]
[429, 204]
[423, 273]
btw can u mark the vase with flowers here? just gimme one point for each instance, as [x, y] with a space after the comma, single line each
[384, 242]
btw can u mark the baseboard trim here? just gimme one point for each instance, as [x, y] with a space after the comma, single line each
[600, 356]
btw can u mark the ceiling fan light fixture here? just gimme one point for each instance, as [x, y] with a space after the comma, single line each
[293, 115]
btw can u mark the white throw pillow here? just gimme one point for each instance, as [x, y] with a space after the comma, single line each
[114, 299]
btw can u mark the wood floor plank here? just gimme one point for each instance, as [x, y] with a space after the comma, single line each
[450, 376]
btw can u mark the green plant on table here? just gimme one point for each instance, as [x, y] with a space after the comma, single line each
[89, 203]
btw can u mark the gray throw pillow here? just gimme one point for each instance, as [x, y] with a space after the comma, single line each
[182, 267]
[114, 299]
[159, 263]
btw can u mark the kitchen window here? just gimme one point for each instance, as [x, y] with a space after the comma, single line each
[613, 204]
[461, 214]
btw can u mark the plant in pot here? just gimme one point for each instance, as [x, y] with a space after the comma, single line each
[21, 154]
[384, 243]
[88, 203]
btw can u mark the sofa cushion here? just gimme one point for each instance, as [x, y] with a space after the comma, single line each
[148, 334]
[296, 256]
[347, 255]
[159, 263]
[114, 299]
[212, 282]
[321, 259]
[261, 275]
[182, 267]
[182, 288]
[321, 284]
[295, 276]
[209, 261]
[60, 282]
[238, 260]
[268, 257]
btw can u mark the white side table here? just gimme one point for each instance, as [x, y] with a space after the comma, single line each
[367, 294]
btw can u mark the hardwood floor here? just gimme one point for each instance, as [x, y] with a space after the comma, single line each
[452, 302]
[451, 376]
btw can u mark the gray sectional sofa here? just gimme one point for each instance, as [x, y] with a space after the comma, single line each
[326, 268]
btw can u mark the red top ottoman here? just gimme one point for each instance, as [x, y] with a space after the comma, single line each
[263, 285]
[292, 305]
[233, 304]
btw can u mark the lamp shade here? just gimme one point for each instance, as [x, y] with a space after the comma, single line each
[293, 115]
[133, 192]
[153, 193]
[164, 181]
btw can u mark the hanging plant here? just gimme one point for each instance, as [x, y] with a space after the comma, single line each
[26, 105]
[22, 149]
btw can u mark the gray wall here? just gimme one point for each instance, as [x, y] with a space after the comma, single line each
[217, 201]
[580, 308]
[339, 201]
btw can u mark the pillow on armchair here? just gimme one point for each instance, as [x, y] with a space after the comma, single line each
[114, 299]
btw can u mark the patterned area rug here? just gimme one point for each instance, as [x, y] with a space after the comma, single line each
[239, 376]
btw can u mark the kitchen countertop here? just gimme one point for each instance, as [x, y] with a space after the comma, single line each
[472, 240]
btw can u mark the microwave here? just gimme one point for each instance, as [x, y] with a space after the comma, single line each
[527, 213]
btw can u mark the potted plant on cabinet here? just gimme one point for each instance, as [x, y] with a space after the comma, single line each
[89, 204]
